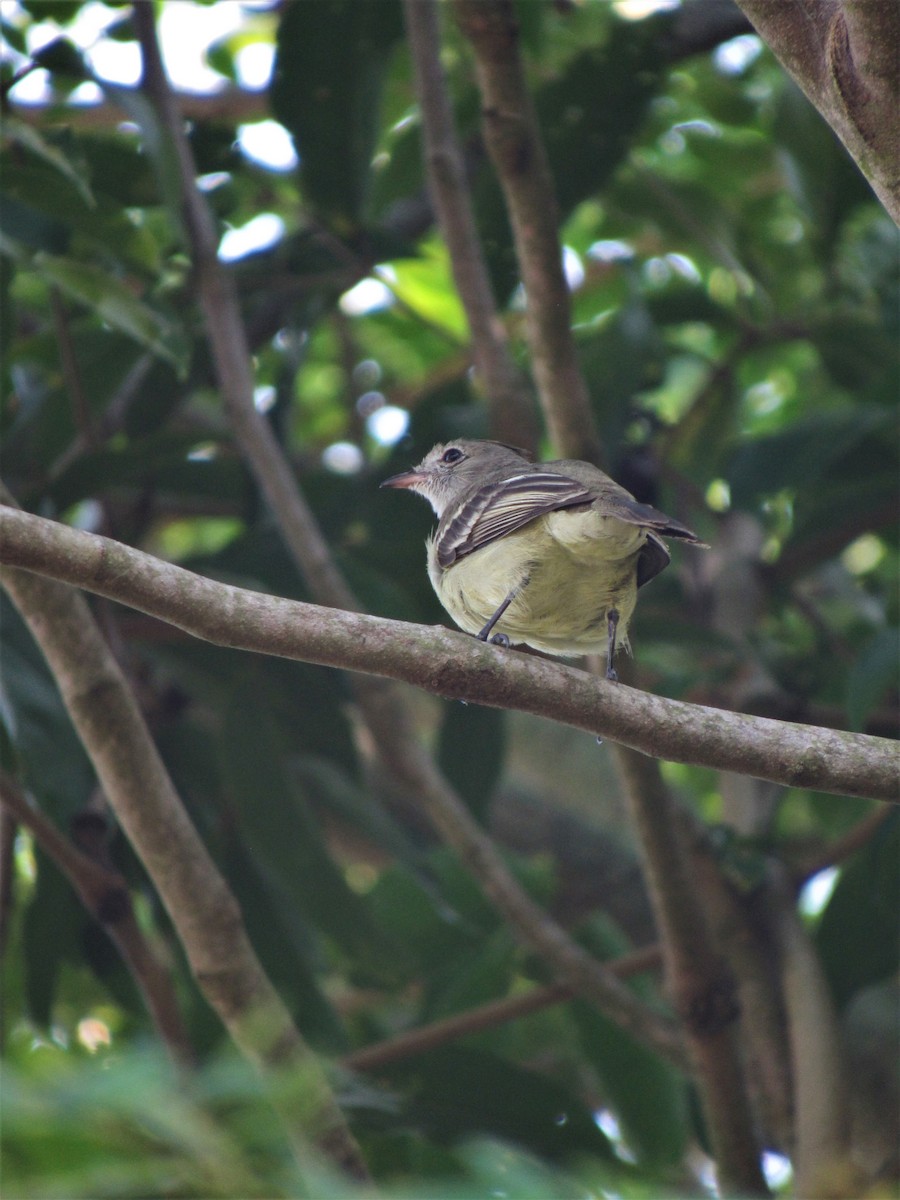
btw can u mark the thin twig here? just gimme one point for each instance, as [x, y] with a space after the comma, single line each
[487, 1016]
[517, 152]
[8, 829]
[84, 421]
[105, 895]
[842, 848]
[512, 417]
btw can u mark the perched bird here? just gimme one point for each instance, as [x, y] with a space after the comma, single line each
[546, 554]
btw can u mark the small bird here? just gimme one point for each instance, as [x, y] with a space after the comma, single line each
[546, 554]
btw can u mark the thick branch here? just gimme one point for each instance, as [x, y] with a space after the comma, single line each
[517, 152]
[451, 664]
[197, 898]
[844, 56]
[699, 979]
[822, 1114]
[104, 893]
[511, 414]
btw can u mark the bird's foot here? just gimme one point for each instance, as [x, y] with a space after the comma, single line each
[500, 639]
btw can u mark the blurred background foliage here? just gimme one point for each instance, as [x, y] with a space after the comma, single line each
[735, 295]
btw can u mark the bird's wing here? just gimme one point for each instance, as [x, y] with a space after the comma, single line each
[499, 508]
[624, 507]
[653, 558]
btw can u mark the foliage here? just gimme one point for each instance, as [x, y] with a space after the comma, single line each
[735, 297]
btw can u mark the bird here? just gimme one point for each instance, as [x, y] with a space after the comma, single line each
[548, 555]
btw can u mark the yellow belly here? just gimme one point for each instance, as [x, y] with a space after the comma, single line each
[578, 566]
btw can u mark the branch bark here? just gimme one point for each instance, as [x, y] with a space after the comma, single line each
[512, 417]
[822, 1165]
[104, 893]
[197, 898]
[698, 977]
[844, 56]
[488, 1016]
[517, 151]
[450, 664]
[383, 707]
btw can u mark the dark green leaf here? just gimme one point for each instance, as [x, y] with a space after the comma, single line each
[875, 672]
[471, 751]
[858, 935]
[455, 1093]
[326, 90]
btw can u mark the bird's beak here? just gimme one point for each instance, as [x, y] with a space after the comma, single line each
[406, 479]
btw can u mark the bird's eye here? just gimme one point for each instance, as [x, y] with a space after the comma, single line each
[452, 455]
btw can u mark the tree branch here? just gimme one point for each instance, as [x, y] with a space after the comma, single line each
[383, 707]
[517, 152]
[487, 1016]
[104, 893]
[843, 55]
[512, 417]
[699, 979]
[197, 898]
[822, 1159]
[450, 664]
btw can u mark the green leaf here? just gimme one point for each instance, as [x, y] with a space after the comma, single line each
[456, 1092]
[33, 140]
[326, 89]
[62, 57]
[52, 929]
[472, 751]
[858, 935]
[873, 673]
[116, 304]
[276, 822]
[647, 1094]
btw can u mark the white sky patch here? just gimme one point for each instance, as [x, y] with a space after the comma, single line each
[343, 458]
[369, 295]
[732, 58]
[817, 891]
[262, 231]
[116, 62]
[269, 144]
[264, 397]
[388, 424]
[573, 268]
[609, 250]
[685, 267]
[777, 1169]
[254, 63]
[637, 10]
[185, 31]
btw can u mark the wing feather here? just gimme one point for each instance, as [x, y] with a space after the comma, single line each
[500, 508]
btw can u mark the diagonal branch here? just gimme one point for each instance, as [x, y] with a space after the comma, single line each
[698, 976]
[487, 1016]
[511, 414]
[454, 665]
[844, 56]
[382, 706]
[197, 898]
[514, 143]
[104, 893]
